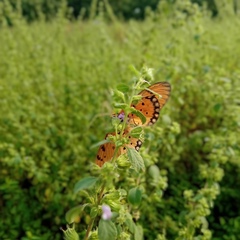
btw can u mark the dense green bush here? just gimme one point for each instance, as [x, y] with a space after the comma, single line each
[55, 103]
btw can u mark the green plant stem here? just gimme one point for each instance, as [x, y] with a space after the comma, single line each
[124, 124]
[90, 225]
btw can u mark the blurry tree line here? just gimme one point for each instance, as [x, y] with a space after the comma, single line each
[124, 9]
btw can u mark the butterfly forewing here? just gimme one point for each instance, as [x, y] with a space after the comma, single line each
[105, 153]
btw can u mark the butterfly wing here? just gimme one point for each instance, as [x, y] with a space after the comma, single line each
[151, 103]
[149, 107]
[106, 151]
[161, 88]
[133, 143]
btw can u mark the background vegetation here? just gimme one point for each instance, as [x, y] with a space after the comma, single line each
[125, 9]
[55, 90]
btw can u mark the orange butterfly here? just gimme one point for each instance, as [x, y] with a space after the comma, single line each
[153, 100]
[150, 104]
[106, 151]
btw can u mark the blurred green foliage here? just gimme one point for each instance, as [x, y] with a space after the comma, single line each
[55, 103]
[125, 9]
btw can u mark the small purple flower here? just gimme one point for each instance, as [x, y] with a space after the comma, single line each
[106, 212]
[121, 116]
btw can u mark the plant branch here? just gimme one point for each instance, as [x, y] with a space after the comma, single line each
[90, 225]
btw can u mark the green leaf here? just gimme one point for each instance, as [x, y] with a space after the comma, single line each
[136, 132]
[139, 114]
[85, 183]
[119, 229]
[120, 105]
[154, 172]
[107, 230]
[138, 234]
[123, 88]
[217, 107]
[70, 234]
[99, 143]
[119, 95]
[135, 159]
[73, 213]
[94, 212]
[129, 222]
[134, 70]
[115, 120]
[136, 99]
[135, 196]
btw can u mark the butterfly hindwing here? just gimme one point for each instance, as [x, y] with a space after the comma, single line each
[149, 106]
[151, 103]
[133, 143]
[106, 151]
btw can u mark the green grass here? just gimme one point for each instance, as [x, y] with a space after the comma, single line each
[55, 103]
